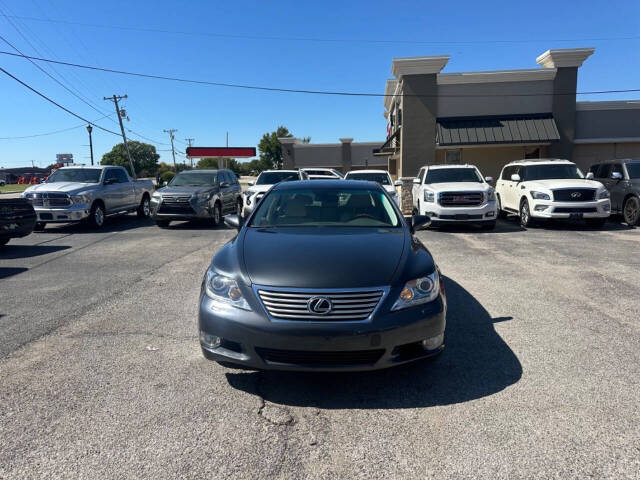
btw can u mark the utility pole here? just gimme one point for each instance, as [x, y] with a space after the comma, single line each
[120, 114]
[190, 141]
[90, 129]
[171, 132]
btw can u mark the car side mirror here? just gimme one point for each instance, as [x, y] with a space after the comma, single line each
[397, 183]
[616, 176]
[224, 184]
[251, 184]
[515, 178]
[416, 181]
[589, 176]
[233, 221]
[488, 179]
[420, 222]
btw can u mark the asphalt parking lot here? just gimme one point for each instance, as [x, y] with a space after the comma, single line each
[101, 374]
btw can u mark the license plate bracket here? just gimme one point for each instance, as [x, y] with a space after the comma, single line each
[576, 216]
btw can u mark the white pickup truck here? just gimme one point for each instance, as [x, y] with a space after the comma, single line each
[88, 194]
[454, 194]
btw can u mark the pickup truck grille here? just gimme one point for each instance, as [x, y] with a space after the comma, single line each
[461, 199]
[351, 306]
[574, 195]
[49, 199]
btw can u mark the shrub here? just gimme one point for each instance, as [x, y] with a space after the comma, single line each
[167, 176]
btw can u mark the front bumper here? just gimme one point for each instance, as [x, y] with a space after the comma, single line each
[73, 213]
[251, 340]
[192, 210]
[439, 214]
[570, 210]
[16, 227]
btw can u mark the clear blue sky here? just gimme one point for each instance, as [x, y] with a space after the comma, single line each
[206, 113]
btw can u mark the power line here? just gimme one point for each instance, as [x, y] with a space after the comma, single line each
[54, 132]
[325, 40]
[56, 103]
[307, 91]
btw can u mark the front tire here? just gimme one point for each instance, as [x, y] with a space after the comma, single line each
[39, 226]
[96, 216]
[216, 219]
[631, 211]
[525, 214]
[144, 209]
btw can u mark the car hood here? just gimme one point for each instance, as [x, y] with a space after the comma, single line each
[184, 190]
[322, 258]
[64, 187]
[552, 184]
[258, 188]
[458, 187]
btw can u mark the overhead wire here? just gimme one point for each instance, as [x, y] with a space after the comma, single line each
[19, 137]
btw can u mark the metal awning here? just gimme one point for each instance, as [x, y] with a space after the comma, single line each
[532, 128]
[391, 146]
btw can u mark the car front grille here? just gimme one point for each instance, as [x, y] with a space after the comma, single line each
[49, 199]
[352, 306]
[13, 209]
[176, 204]
[574, 195]
[461, 199]
[320, 358]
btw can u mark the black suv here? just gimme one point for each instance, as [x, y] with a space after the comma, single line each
[622, 178]
[17, 219]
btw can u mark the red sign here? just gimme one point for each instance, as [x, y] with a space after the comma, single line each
[232, 152]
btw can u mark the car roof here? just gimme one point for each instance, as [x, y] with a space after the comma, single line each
[619, 160]
[338, 183]
[200, 171]
[285, 171]
[366, 171]
[538, 161]
[318, 168]
[95, 167]
[439, 167]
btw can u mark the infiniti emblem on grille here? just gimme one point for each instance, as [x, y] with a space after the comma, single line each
[319, 305]
[576, 194]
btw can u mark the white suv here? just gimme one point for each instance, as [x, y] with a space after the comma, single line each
[454, 194]
[322, 173]
[546, 189]
[264, 182]
[379, 176]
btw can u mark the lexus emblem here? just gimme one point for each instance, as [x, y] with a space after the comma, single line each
[576, 194]
[319, 305]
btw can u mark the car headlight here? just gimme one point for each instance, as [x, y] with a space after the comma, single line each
[81, 198]
[604, 194]
[224, 289]
[429, 196]
[156, 196]
[491, 195]
[202, 196]
[540, 195]
[418, 291]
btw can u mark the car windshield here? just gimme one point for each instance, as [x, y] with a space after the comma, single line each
[319, 207]
[633, 169]
[551, 171]
[271, 178]
[381, 178]
[194, 180]
[80, 175]
[444, 175]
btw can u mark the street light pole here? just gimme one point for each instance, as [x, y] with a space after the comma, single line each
[90, 129]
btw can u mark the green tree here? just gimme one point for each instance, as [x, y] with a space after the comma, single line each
[270, 148]
[144, 156]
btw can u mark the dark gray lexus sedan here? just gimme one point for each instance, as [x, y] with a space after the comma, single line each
[324, 275]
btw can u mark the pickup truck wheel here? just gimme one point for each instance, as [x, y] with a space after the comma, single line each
[501, 213]
[96, 216]
[39, 226]
[217, 215]
[525, 214]
[144, 209]
[631, 211]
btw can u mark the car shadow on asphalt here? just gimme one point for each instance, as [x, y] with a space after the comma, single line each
[475, 363]
[6, 272]
[199, 225]
[26, 251]
[613, 224]
[113, 224]
[502, 226]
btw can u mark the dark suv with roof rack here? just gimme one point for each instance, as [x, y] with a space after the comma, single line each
[622, 178]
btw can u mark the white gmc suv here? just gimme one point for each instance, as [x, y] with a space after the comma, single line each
[551, 188]
[454, 194]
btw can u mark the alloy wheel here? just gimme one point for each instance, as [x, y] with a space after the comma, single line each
[632, 211]
[99, 216]
[146, 207]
